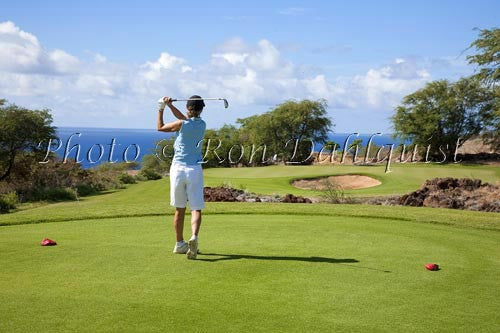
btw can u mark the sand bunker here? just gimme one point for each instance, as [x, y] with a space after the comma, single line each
[346, 182]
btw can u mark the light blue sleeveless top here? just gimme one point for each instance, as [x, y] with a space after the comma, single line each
[187, 151]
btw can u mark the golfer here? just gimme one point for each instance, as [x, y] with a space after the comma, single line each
[186, 175]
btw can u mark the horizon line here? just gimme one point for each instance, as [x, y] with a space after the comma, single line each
[152, 129]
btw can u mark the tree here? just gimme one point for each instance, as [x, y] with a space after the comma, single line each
[21, 130]
[357, 142]
[442, 112]
[491, 132]
[160, 160]
[223, 149]
[289, 121]
[231, 147]
[488, 56]
[488, 60]
[255, 133]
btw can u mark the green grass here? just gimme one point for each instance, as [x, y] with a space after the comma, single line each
[264, 267]
[280, 273]
[402, 179]
[152, 199]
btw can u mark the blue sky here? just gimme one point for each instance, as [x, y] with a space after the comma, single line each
[105, 63]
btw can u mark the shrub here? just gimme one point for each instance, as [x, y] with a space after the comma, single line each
[150, 174]
[56, 180]
[103, 180]
[117, 167]
[8, 201]
[85, 189]
[333, 193]
[140, 178]
[125, 178]
[55, 194]
[4, 206]
[153, 168]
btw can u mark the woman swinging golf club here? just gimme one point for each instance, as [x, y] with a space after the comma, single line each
[186, 176]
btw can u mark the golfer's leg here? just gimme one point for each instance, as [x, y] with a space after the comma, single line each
[195, 221]
[195, 195]
[178, 198]
[179, 223]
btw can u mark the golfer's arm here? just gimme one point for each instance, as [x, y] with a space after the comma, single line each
[169, 127]
[159, 120]
[179, 115]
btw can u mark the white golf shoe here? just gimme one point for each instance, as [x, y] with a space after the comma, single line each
[182, 249]
[193, 249]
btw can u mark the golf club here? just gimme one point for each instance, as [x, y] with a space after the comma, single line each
[226, 104]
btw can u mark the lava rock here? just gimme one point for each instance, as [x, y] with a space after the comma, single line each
[290, 198]
[221, 193]
[463, 193]
[228, 194]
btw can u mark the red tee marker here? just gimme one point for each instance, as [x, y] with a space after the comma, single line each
[432, 267]
[47, 242]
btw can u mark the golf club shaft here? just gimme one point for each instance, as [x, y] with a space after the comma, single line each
[226, 104]
[197, 99]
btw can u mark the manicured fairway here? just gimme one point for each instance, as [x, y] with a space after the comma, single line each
[402, 178]
[255, 273]
[152, 198]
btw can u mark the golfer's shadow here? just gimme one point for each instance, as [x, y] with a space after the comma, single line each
[246, 256]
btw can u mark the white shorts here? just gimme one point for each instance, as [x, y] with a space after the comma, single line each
[186, 184]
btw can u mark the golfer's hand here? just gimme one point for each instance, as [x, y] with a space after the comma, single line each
[168, 101]
[161, 104]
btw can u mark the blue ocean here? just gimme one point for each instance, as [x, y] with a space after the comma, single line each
[93, 146]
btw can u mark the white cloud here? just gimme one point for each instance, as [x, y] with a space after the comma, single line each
[385, 86]
[63, 62]
[266, 57]
[28, 85]
[165, 63]
[21, 52]
[235, 44]
[100, 58]
[95, 85]
[252, 77]
[233, 58]
[318, 87]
